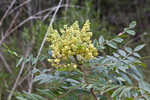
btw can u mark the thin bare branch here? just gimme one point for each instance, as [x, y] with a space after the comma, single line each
[20, 73]
[67, 4]
[54, 8]
[35, 16]
[43, 42]
[5, 63]
[21, 5]
[51, 22]
[12, 23]
[22, 23]
[7, 11]
[30, 82]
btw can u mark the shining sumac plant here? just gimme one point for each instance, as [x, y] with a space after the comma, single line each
[85, 69]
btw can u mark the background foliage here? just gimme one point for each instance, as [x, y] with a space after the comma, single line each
[108, 18]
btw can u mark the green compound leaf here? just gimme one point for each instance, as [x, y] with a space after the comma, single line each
[132, 24]
[139, 47]
[118, 40]
[131, 32]
[112, 44]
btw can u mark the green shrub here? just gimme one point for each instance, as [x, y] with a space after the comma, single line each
[112, 75]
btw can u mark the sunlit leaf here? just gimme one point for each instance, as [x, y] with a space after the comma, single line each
[131, 32]
[118, 40]
[112, 44]
[20, 61]
[132, 24]
[139, 47]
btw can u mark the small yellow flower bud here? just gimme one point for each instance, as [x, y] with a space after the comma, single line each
[74, 66]
[49, 60]
[57, 60]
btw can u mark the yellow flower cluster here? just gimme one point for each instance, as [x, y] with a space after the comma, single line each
[72, 45]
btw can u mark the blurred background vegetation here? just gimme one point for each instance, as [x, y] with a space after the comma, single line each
[23, 27]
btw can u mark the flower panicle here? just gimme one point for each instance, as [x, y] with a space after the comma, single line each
[73, 41]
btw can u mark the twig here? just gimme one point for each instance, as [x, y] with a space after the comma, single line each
[10, 26]
[16, 82]
[30, 82]
[5, 63]
[44, 40]
[67, 4]
[146, 57]
[23, 79]
[12, 23]
[33, 39]
[54, 8]
[65, 94]
[19, 75]
[94, 95]
[22, 23]
[85, 77]
[11, 5]
[35, 16]
[130, 41]
[25, 2]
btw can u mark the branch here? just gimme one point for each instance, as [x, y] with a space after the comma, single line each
[85, 77]
[4, 16]
[22, 4]
[19, 75]
[35, 16]
[22, 23]
[43, 42]
[94, 95]
[5, 63]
